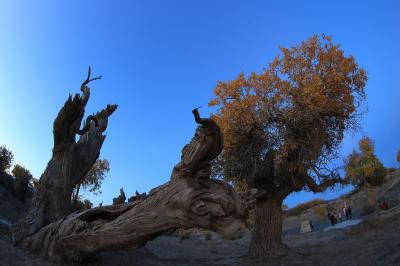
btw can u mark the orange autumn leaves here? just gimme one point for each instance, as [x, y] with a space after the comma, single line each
[300, 105]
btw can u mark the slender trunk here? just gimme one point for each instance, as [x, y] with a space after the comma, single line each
[76, 195]
[266, 240]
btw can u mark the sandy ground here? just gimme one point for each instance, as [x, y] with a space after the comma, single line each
[375, 241]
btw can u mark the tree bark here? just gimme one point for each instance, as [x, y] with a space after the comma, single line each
[189, 199]
[76, 195]
[266, 239]
[126, 226]
[70, 162]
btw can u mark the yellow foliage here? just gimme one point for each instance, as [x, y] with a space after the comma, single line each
[298, 107]
[364, 168]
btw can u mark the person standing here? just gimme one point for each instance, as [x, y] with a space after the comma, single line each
[349, 211]
[340, 217]
[332, 217]
[345, 213]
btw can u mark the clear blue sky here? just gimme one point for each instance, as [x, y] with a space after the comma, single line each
[160, 59]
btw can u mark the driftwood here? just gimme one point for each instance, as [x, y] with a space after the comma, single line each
[189, 199]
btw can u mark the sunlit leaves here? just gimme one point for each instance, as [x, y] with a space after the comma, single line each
[298, 107]
[363, 167]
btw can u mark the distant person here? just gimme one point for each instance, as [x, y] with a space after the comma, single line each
[349, 211]
[345, 213]
[332, 218]
[340, 216]
[311, 225]
[383, 205]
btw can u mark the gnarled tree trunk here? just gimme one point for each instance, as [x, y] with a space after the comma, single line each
[266, 239]
[190, 199]
[127, 226]
[70, 162]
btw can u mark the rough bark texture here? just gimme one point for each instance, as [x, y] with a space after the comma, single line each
[127, 226]
[190, 199]
[121, 198]
[267, 236]
[70, 162]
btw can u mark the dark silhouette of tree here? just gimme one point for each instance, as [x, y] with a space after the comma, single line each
[6, 158]
[22, 178]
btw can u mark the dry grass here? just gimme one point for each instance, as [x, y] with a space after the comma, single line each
[304, 206]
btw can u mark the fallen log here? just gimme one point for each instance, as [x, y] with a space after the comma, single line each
[190, 199]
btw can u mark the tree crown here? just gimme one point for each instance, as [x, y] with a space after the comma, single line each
[363, 167]
[6, 158]
[21, 172]
[294, 113]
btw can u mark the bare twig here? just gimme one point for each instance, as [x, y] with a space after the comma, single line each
[88, 79]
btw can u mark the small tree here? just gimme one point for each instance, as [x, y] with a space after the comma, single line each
[22, 178]
[21, 172]
[93, 179]
[362, 167]
[6, 158]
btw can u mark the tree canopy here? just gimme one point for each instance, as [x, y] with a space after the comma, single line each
[21, 172]
[93, 179]
[363, 167]
[296, 111]
[6, 158]
[282, 127]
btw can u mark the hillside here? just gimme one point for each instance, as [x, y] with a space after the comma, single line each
[358, 201]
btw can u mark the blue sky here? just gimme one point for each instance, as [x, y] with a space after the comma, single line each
[160, 59]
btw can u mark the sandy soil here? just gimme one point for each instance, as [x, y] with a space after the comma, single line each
[375, 241]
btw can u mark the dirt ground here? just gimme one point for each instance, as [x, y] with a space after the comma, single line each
[375, 241]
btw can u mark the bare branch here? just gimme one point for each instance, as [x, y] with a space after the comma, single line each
[88, 79]
[322, 186]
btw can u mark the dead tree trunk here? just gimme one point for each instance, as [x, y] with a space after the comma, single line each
[70, 162]
[173, 205]
[189, 199]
